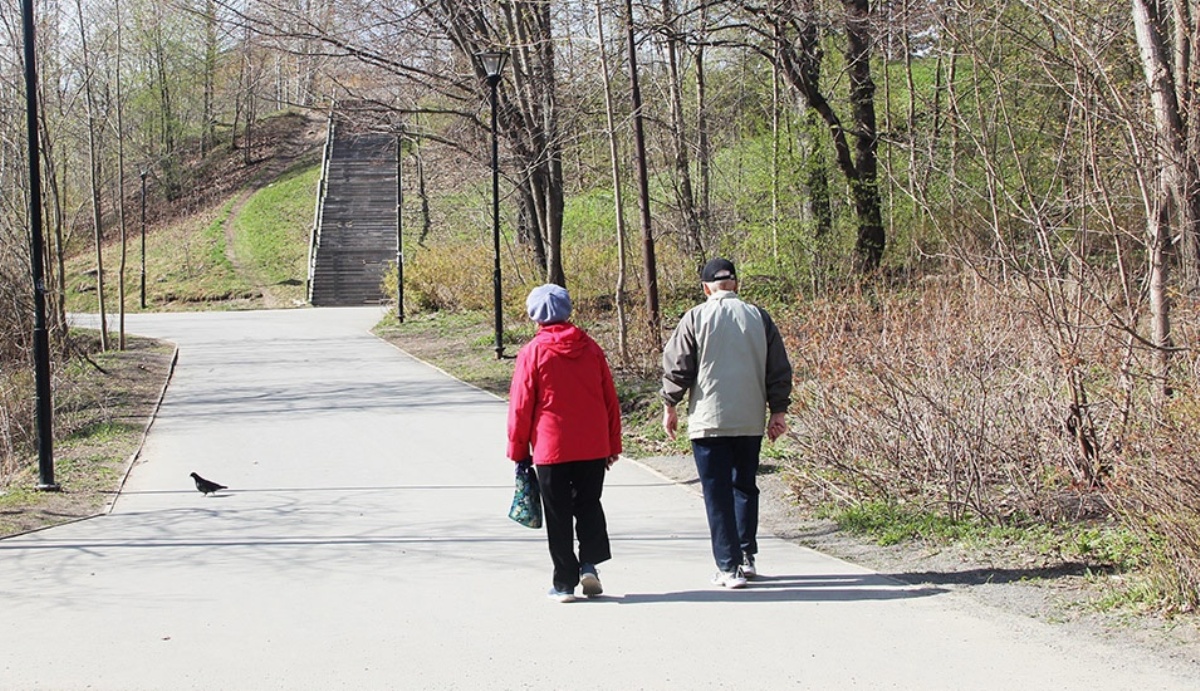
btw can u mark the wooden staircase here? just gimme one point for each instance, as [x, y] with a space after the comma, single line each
[354, 235]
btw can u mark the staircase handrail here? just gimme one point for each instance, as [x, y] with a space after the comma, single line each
[314, 237]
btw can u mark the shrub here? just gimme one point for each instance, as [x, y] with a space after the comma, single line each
[1161, 498]
[927, 397]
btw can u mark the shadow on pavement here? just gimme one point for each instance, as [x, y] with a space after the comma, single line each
[834, 588]
[983, 576]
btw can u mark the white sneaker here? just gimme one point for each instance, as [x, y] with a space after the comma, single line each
[561, 595]
[589, 578]
[748, 569]
[730, 579]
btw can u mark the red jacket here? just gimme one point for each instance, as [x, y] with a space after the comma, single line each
[562, 401]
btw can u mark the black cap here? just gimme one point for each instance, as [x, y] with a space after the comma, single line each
[718, 269]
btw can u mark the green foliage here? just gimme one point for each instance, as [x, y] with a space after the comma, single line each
[890, 524]
[102, 431]
[590, 216]
[1107, 545]
[448, 276]
[271, 230]
[186, 265]
[18, 495]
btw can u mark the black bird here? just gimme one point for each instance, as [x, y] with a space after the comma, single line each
[206, 486]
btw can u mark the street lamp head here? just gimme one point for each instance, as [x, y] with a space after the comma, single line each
[493, 63]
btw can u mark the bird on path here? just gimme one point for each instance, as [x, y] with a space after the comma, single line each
[206, 486]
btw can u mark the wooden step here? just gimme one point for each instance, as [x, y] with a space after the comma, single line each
[358, 221]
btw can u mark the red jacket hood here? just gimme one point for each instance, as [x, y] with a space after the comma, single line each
[564, 338]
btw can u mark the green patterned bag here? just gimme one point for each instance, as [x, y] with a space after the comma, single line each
[527, 497]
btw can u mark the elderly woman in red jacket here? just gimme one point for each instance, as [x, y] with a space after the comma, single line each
[563, 405]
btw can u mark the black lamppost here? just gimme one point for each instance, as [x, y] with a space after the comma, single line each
[143, 239]
[493, 66]
[400, 225]
[41, 338]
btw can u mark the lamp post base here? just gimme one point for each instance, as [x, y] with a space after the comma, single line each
[53, 487]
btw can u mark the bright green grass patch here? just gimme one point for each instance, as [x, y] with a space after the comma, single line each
[101, 432]
[1105, 544]
[889, 524]
[271, 231]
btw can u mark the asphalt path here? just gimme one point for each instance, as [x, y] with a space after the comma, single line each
[363, 543]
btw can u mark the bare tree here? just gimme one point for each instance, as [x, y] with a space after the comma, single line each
[792, 32]
[1173, 187]
[685, 196]
[618, 196]
[208, 128]
[120, 186]
[93, 127]
[649, 261]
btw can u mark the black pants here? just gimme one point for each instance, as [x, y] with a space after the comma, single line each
[571, 503]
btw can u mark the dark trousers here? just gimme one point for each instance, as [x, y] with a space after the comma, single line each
[571, 504]
[727, 467]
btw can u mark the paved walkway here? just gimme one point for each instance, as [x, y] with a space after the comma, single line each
[363, 544]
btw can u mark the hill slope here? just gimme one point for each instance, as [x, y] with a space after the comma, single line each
[236, 239]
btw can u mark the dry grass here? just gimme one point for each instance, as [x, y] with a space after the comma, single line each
[101, 411]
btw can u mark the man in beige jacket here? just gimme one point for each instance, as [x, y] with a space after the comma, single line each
[728, 356]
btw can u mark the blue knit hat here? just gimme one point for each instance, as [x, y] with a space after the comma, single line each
[548, 304]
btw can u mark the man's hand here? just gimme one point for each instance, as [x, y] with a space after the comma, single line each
[776, 426]
[670, 420]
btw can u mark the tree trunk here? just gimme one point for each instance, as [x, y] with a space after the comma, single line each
[684, 195]
[864, 187]
[210, 70]
[1187, 80]
[94, 165]
[775, 159]
[1158, 246]
[816, 178]
[801, 65]
[422, 193]
[54, 187]
[528, 229]
[530, 116]
[1168, 127]
[166, 109]
[618, 203]
[639, 142]
[703, 154]
[120, 185]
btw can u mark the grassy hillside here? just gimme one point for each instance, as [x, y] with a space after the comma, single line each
[191, 263]
[271, 234]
